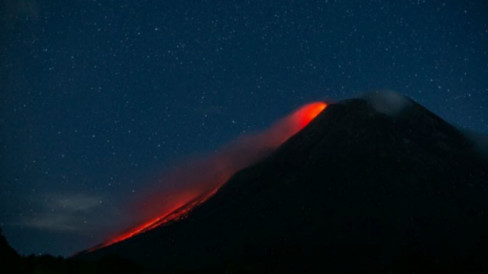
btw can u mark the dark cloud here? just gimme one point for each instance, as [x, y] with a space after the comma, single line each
[15, 11]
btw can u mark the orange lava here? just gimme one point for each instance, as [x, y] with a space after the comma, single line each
[308, 112]
[248, 150]
[179, 212]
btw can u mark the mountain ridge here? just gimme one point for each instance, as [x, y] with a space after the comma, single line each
[355, 183]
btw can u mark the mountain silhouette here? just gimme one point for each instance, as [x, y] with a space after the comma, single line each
[376, 184]
[12, 262]
[9, 256]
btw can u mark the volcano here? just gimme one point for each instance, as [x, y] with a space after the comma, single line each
[375, 184]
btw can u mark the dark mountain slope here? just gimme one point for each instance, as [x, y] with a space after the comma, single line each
[355, 191]
[8, 255]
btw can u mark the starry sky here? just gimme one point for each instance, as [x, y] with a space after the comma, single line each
[98, 98]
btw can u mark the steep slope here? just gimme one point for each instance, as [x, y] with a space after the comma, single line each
[356, 190]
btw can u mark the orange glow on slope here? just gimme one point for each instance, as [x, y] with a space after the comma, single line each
[307, 113]
[201, 180]
[179, 212]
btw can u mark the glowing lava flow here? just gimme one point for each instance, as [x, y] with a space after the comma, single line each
[198, 187]
[177, 213]
[308, 112]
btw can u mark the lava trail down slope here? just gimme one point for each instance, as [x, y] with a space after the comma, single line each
[200, 180]
[378, 184]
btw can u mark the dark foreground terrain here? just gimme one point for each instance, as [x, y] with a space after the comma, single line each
[11, 262]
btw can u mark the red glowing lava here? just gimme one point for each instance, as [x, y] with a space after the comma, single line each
[200, 180]
[308, 112]
[177, 213]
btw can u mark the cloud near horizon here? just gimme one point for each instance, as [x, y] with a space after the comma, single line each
[74, 213]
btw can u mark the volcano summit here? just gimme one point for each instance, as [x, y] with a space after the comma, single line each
[377, 184]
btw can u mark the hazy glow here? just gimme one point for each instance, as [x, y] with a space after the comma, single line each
[197, 181]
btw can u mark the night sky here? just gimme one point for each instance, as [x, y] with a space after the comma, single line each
[99, 98]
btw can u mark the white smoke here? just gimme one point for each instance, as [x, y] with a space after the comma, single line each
[387, 102]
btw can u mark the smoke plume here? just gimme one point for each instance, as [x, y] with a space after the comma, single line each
[193, 183]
